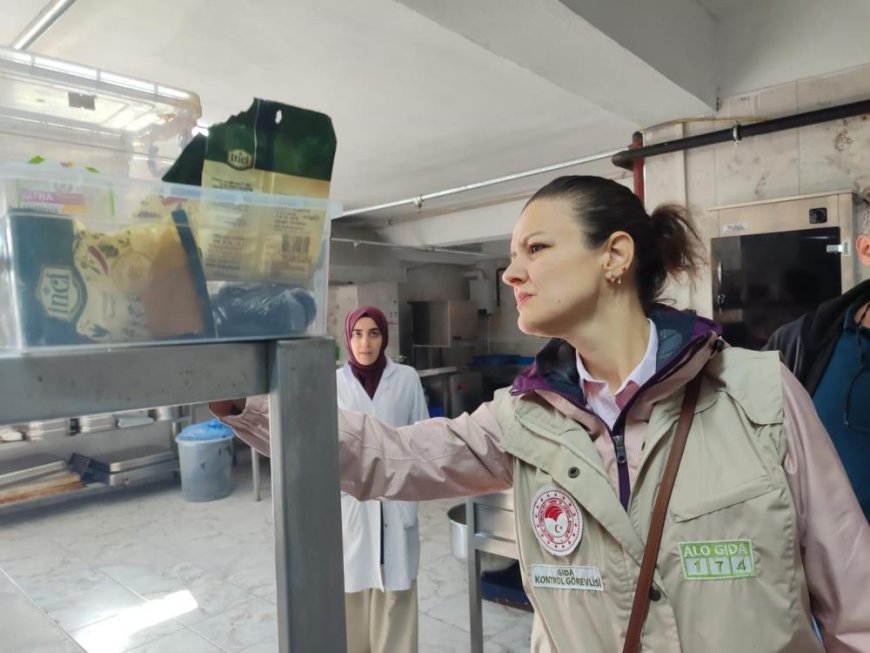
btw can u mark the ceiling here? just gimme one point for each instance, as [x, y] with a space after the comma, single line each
[430, 95]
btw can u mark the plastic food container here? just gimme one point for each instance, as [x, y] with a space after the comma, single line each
[90, 259]
[117, 124]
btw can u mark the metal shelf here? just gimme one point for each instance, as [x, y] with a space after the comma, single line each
[88, 381]
[90, 490]
[299, 377]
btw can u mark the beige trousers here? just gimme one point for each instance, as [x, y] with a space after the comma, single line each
[381, 622]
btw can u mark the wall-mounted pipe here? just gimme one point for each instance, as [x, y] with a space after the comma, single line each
[419, 199]
[39, 25]
[637, 168]
[438, 250]
[737, 132]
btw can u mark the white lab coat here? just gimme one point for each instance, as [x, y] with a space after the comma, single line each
[398, 401]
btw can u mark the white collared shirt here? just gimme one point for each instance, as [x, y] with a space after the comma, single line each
[608, 405]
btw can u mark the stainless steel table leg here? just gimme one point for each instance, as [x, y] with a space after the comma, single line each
[305, 497]
[475, 605]
[255, 465]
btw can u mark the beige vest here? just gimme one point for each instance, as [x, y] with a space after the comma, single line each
[729, 575]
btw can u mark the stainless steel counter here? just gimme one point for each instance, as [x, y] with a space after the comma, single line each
[436, 371]
[490, 529]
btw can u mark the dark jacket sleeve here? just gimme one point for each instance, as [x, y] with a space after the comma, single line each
[787, 340]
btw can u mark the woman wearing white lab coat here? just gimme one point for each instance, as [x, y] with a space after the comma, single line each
[381, 538]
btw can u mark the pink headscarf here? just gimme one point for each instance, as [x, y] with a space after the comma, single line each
[369, 376]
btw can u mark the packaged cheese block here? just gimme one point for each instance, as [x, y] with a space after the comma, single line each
[75, 285]
[270, 148]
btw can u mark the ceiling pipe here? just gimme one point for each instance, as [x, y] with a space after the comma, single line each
[637, 168]
[419, 199]
[39, 25]
[737, 132]
[438, 250]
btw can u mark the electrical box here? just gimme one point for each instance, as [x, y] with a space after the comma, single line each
[481, 290]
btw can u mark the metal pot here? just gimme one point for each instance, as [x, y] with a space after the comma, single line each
[458, 532]
[459, 542]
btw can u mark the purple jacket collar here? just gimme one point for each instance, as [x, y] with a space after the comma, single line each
[555, 367]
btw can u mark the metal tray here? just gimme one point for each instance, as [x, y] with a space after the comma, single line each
[138, 475]
[127, 459]
[29, 467]
[47, 425]
[47, 435]
[49, 429]
[94, 423]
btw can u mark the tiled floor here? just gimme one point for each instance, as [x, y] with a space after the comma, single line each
[149, 573]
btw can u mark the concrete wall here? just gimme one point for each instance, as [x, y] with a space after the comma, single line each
[826, 157]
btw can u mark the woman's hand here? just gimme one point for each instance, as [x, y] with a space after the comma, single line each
[227, 407]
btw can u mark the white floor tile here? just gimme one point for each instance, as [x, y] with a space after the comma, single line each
[443, 577]
[497, 618]
[95, 564]
[183, 641]
[259, 579]
[515, 637]
[242, 624]
[62, 586]
[452, 610]
[26, 627]
[96, 604]
[266, 646]
[123, 632]
[440, 637]
[213, 597]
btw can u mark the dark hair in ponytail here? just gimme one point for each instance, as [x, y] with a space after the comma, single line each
[666, 242]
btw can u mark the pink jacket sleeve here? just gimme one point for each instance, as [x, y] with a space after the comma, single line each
[834, 534]
[433, 459]
[252, 426]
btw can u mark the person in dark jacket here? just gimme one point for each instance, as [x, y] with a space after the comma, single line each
[828, 350]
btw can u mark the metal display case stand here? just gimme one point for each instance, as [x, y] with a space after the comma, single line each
[298, 375]
[490, 529]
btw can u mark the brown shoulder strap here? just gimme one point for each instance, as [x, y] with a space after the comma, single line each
[640, 605]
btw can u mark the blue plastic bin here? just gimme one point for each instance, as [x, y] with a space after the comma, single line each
[205, 454]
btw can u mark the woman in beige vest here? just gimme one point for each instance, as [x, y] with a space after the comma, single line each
[762, 530]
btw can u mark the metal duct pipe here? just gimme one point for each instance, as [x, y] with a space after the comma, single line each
[38, 26]
[637, 168]
[438, 250]
[625, 158]
[418, 201]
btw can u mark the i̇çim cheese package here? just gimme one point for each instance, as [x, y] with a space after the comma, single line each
[77, 285]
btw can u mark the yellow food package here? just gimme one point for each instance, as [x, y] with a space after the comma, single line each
[270, 148]
[80, 285]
